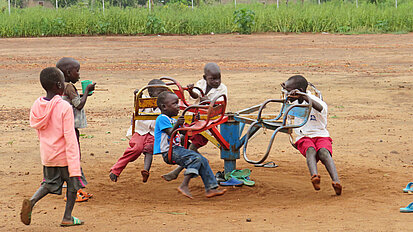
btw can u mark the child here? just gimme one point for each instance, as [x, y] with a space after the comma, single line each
[70, 68]
[212, 87]
[141, 140]
[313, 139]
[194, 163]
[53, 119]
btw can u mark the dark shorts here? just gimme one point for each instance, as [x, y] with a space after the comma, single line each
[54, 177]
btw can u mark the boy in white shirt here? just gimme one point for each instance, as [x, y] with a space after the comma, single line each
[212, 87]
[313, 139]
[141, 141]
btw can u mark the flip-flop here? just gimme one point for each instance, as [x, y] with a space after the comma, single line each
[26, 212]
[270, 164]
[408, 209]
[79, 197]
[409, 188]
[247, 181]
[238, 174]
[88, 195]
[219, 176]
[76, 222]
[232, 182]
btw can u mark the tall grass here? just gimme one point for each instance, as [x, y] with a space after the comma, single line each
[333, 17]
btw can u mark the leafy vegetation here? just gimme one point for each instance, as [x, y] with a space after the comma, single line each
[176, 17]
[244, 20]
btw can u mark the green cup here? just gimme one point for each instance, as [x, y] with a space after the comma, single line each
[85, 83]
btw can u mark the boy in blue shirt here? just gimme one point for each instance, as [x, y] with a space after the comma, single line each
[194, 163]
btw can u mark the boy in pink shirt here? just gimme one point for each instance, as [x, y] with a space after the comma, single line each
[53, 119]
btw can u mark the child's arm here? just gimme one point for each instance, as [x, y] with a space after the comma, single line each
[178, 123]
[193, 94]
[317, 106]
[83, 99]
[72, 147]
[77, 101]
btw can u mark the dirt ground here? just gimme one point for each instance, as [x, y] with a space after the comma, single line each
[366, 80]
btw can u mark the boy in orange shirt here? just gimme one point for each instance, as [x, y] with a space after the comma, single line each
[53, 119]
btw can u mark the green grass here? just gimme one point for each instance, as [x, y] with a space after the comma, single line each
[332, 17]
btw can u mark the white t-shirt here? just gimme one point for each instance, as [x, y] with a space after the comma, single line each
[214, 92]
[316, 125]
[143, 127]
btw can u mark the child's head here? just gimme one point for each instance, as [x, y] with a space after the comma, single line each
[212, 75]
[295, 82]
[154, 92]
[52, 80]
[70, 68]
[168, 102]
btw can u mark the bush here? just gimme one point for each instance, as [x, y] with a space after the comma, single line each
[244, 20]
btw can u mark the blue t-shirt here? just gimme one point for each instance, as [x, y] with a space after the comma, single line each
[161, 143]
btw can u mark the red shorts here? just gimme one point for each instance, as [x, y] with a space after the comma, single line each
[317, 142]
[198, 140]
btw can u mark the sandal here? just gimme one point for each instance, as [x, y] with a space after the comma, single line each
[88, 195]
[79, 197]
[270, 164]
[76, 222]
[408, 209]
[315, 179]
[409, 188]
[26, 212]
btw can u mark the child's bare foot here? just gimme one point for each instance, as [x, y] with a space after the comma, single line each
[185, 191]
[337, 188]
[169, 176]
[26, 212]
[215, 192]
[145, 175]
[113, 177]
[315, 179]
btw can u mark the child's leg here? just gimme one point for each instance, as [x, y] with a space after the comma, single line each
[39, 194]
[146, 166]
[136, 145]
[78, 140]
[327, 160]
[74, 185]
[70, 203]
[26, 211]
[311, 157]
[195, 165]
[147, 161]
[147, 151]
[209, 179]
[173, 174]
[184, 187]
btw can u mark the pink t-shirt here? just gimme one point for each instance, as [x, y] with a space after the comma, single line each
[54, 123]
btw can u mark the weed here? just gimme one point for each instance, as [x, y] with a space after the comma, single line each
[244, 20]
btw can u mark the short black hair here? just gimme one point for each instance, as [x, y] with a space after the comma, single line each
[156, 82]
[299, 82]
[212, 68]
[66, 63]
[162, 96]
[49, 77]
